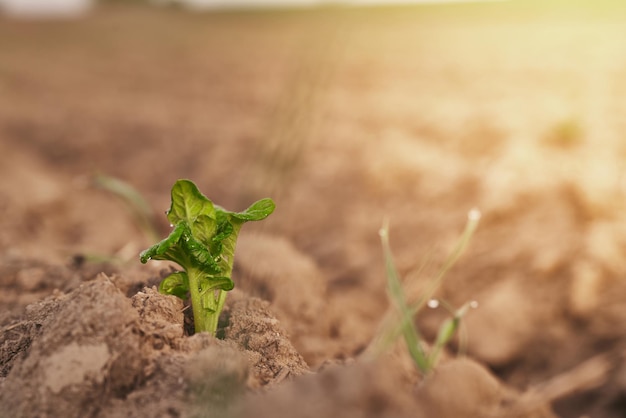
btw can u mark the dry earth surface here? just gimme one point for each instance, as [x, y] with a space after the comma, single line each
[344, 117]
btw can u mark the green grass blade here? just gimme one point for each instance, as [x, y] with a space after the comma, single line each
[447, 331]
[473, 217]
[140, 209]
[407, 312]
[408, 329]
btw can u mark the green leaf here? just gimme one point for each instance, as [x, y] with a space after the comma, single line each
[224, 228]
[159, 250]
[176, 284]
[207, 287]
[259, 210]
[204, 229]
[188, 203]
[412, 337]
[135, 201]
[200, 256]
[209, 284]
[446, 331]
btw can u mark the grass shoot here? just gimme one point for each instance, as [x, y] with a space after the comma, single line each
[405, 312]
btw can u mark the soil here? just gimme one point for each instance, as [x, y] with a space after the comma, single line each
[345, 118]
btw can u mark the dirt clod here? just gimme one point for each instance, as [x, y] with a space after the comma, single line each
[257, 331]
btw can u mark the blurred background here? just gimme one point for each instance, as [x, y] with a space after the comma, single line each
[52, 8]
[344, 114]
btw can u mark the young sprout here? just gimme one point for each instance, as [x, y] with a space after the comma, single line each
[447, 331]
[409, 332]
[424, 361]
[138, 206]
[203, 243]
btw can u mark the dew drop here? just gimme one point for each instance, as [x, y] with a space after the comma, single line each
[432, 303]
[171, 225]
[474, 214]
[473, 304]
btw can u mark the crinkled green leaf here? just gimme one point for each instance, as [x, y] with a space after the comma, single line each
[202, 258]
[259, 210]
[182, 248]
[224, 228]
[188, 203]
[204, 229]
[160, 250]
[176, 284]
[209, 284]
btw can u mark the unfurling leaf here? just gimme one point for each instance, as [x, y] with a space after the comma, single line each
[259, 210]
[188, 203]
[176, 284]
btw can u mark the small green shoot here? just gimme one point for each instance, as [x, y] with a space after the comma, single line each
[447, 331]
[203, 243]
[565, 134]
[138, 206]
[424, 361]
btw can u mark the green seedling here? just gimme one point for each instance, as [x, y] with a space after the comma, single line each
[565, 134]
[424, 361]
[137, 205]
[447, 331]
[202, 242]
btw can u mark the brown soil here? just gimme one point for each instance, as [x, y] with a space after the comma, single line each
[344, 118]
